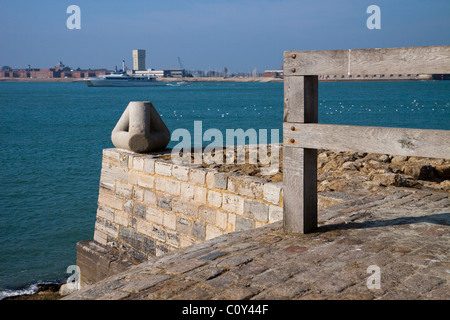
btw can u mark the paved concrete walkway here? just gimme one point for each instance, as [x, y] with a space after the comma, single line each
[397, 240]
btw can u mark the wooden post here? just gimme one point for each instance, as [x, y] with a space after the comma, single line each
[300, 164]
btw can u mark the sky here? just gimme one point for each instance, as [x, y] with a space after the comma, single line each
[240, 35]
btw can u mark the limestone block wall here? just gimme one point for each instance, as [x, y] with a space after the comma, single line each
[149, 205]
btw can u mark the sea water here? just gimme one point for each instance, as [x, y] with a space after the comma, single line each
[52, 136]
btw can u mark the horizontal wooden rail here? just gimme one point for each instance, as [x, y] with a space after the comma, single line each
[414, 60]
[398, 141]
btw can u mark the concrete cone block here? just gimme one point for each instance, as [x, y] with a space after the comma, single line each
[140, 129]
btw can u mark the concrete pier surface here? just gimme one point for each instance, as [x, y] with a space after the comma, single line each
[389, 245]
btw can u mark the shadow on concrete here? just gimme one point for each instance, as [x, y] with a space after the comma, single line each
[440, 219]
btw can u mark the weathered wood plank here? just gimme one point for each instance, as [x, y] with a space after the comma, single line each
[299, 189]
[293, 99]
[406, 60]
[300, 165]
[399, 141]
[300, 63]
[301, 99]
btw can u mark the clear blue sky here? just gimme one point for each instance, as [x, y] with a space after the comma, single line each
[208, 34]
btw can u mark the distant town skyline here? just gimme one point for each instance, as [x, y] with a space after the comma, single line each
[240, 35]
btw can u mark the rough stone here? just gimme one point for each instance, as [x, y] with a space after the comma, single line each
[158, 233]
[124, 189]
[116, 173]
[140, 210]
[214, 198]
[149, 165]
[180, 172]
[257, 210]
[200, 194]
[184, 225]
[138, 194]
[187, 191]
[207, 214]
[214, 255]
[212, 232]
[233, 203]
[173, 187]
[146, 181]
[164, 202]
[109, 199]
[272, 192]
[187, 208]
[221, 181]
[210, 179]
[199, 230]
[150, 197]
[221, 220]
[197, 176]
[149, 245]
[246, 186]
[163, 168]
[160, 183]
[244, 223]
[131, 237]
[275, 213]
[173, 238]
[107, 183]
[421, 172]
[170, 220]
[138, 163]
[442, 171]
[155, 215]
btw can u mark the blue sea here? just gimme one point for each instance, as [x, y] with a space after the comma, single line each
[52, 136]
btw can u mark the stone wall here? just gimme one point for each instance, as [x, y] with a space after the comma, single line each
[148, 206]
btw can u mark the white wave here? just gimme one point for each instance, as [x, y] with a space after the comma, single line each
[31, 289]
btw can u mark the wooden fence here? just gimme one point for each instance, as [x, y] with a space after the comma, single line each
[302, 135]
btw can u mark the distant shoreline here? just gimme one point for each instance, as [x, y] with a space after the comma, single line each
[40, 80]
[205, 79]
[222, 79]
[214, 79]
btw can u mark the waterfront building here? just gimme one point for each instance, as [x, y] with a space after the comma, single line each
[273, 73]
[58, 71]
[174, 73]
[151, 72]
[139, 60]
